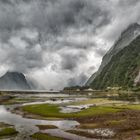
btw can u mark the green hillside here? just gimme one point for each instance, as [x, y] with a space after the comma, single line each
[122, 69]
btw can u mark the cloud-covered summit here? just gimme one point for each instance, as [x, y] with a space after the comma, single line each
[60, 42]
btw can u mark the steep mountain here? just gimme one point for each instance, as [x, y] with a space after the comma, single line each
[127, 36]
[14, 81]
[123, 70]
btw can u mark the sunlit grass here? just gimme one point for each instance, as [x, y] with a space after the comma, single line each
[115, 122]
[48, 110]
[41, 136]
[133, 107]
[97, 101]
[7, 132]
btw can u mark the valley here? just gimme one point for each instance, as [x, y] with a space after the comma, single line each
[69, 69]
[60, 116]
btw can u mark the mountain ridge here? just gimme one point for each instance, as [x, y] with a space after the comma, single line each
[14, 81]
[122, 70]
[127, 36]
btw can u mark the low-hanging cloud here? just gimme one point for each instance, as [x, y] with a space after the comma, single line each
[60, 39]
[70, 61]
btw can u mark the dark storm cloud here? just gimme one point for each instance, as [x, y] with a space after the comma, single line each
[9, 18]
[9, 21]
[72, 43]
[6, 1]
[53, 18]
[58, 36]
[24, 58]
[57, 17]
[70, 61]
[128, 2]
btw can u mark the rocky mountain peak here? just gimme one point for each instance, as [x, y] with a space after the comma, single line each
[14, 81]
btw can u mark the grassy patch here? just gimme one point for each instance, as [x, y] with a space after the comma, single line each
[18, 101]
[2, 125]
[109, 123]
[115, 122]
[81, 133]
[41, 136]
[92, 101]
[44, 127]
[48, 110]
[133, 107]
[7, 132]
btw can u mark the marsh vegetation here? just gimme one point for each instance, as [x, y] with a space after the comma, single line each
[107, 117]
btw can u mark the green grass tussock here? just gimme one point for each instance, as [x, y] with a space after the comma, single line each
[7, 132]
[41, 136]
[48, 110]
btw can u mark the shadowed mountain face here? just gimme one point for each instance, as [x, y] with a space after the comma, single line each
[131, 33]
[123, 70]
[14, 81]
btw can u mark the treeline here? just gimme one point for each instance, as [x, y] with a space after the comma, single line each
[77, 88]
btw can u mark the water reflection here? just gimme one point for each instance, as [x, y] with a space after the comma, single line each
[26, 127]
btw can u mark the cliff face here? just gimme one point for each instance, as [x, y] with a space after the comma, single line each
[123, 70]
[14, 81]
[131, 33]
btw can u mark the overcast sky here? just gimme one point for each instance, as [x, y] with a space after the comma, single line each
[60, 42]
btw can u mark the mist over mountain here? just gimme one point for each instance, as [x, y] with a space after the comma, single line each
[14, 81]
[60, 43]
[121, 65]
[126, 38]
